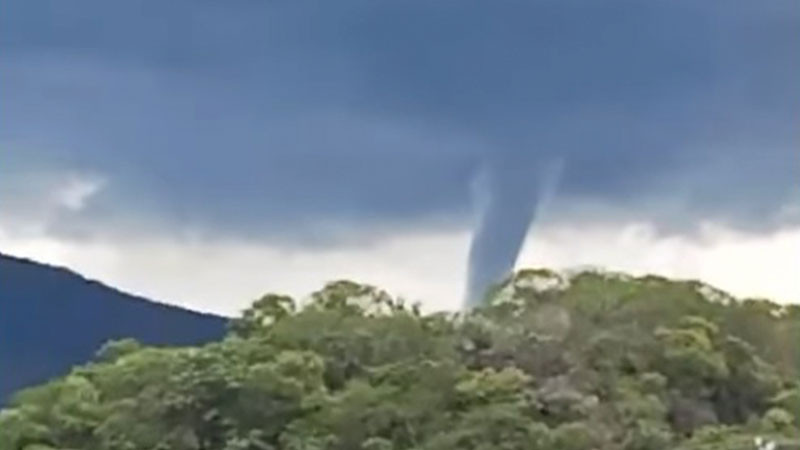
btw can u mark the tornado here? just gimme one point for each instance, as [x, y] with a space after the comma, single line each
[509, 197]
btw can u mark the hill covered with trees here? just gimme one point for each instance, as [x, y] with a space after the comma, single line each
[52, 319]
[589, 360]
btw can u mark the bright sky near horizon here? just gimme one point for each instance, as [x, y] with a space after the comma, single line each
[429, 267]
[204, 153]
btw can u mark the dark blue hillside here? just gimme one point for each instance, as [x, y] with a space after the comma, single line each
[52, 319]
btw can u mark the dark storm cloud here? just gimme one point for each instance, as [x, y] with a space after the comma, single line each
[279, 118]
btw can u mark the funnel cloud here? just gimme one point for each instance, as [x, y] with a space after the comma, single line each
[509, 197]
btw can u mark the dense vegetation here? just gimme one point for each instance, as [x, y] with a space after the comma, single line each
[587, 361]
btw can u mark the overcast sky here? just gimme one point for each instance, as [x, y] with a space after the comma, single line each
[204, 152]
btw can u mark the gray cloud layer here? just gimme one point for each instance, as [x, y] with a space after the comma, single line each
[297, 119]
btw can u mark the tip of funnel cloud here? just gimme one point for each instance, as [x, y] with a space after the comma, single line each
[508, 201]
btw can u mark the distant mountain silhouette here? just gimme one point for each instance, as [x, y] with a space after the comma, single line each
[52, 319]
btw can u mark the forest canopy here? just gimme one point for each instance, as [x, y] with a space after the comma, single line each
[588, 360]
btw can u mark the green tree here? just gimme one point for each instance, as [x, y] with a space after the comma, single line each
[594, 360]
